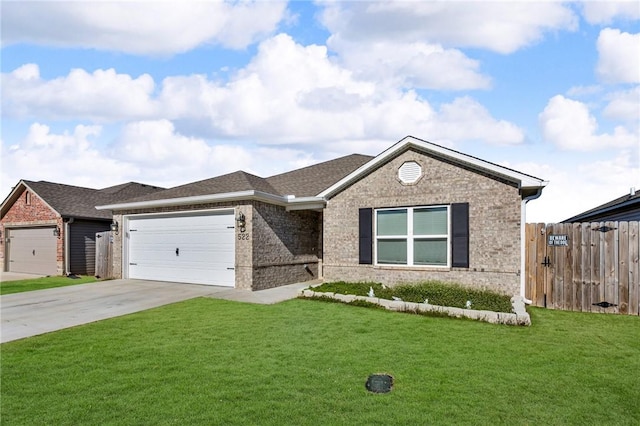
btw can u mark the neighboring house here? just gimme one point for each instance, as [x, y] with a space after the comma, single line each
[417, 211]
[49, 228]
[625, 208]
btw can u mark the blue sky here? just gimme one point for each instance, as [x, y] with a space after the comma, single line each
[99, 93]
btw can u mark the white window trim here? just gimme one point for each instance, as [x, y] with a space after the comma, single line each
[411, 237]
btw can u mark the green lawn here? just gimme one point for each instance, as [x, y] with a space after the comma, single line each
[8, 287]
[303, 362]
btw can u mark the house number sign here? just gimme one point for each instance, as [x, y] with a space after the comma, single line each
[558, 240]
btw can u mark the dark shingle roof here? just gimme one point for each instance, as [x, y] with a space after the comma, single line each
[623, 208]
[76, 201]
[311, 181]
[232, 182]
[305, 182]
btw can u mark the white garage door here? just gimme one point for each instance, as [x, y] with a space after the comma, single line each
[190, 249]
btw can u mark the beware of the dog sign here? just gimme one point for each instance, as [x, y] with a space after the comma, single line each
[558, 240]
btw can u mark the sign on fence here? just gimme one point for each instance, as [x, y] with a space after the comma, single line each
[558, 240]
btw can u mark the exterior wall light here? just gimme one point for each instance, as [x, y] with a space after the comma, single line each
[56, 231]
[242, 222]
[114, 227]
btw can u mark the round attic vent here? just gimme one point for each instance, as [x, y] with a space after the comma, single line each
[409, 172]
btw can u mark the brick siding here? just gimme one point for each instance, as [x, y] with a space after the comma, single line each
[285, 246]
[494, 224]
[272, 251]
[36, 213]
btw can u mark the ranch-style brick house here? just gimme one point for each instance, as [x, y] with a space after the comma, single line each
[415, 212]
[50, 228]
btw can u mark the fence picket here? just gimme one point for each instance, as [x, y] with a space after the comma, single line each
[585, 269]
[577, 267]
[540, 271]
[623, 265]
[634, 268]
[597, 290]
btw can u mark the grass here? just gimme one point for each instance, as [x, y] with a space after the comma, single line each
[208, 361]
[8, 287]
[438, 293]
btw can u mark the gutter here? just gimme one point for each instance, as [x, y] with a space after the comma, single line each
[290, 201]
[67, 248]
[523, 222]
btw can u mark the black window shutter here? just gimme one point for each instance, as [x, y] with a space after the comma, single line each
[460, 235]
[366, 238]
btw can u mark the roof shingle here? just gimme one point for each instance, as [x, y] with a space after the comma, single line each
[306, 182]
[312, 180]
[76, 201]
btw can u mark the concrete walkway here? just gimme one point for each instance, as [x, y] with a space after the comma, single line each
[37, 312]
[14, 276]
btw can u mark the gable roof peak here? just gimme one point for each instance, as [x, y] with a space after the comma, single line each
[524, 181]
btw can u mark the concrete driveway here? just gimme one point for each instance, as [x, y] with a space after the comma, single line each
[37, 312]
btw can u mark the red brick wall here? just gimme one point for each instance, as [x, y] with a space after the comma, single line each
[36, 213]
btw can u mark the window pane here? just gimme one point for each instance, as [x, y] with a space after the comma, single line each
[431, 221]
[392, 222]
[392, 251]
[430, 252]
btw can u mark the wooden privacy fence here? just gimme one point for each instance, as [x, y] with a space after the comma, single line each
[104, 255]
[589, 267]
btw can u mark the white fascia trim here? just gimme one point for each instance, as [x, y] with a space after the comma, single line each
[525, 181]
[306, 203]
[300, 203]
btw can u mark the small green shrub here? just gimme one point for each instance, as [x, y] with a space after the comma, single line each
[437, 293]
[365, 304]
[359, 303]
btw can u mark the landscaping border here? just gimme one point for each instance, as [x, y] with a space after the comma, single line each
[519, 316]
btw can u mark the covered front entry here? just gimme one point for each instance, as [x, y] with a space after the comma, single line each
[32, 250]
[189, 248]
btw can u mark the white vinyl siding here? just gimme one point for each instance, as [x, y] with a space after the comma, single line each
[413, 236]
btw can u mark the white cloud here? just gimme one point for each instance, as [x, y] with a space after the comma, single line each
[567, 195]
[69, 157]
[569, 125]
[101, 95]
[151, 152]
[416, 64]
[319, 101]
[467, 119]
[580, 91]
[624, 106]
[287, 94]
[155, 143]
[499, 26]
[618, 56]
[150, 28]
[413, 44]
[604, 12]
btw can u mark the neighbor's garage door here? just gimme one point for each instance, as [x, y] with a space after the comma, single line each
[32, 251]
[190, 249]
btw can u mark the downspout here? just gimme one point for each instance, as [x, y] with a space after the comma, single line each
[67, 248]
[523, 260]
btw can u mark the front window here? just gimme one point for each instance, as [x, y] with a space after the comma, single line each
[413, 236]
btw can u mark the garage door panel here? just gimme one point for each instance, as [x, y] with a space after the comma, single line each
[33, 250]
[191, 249]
